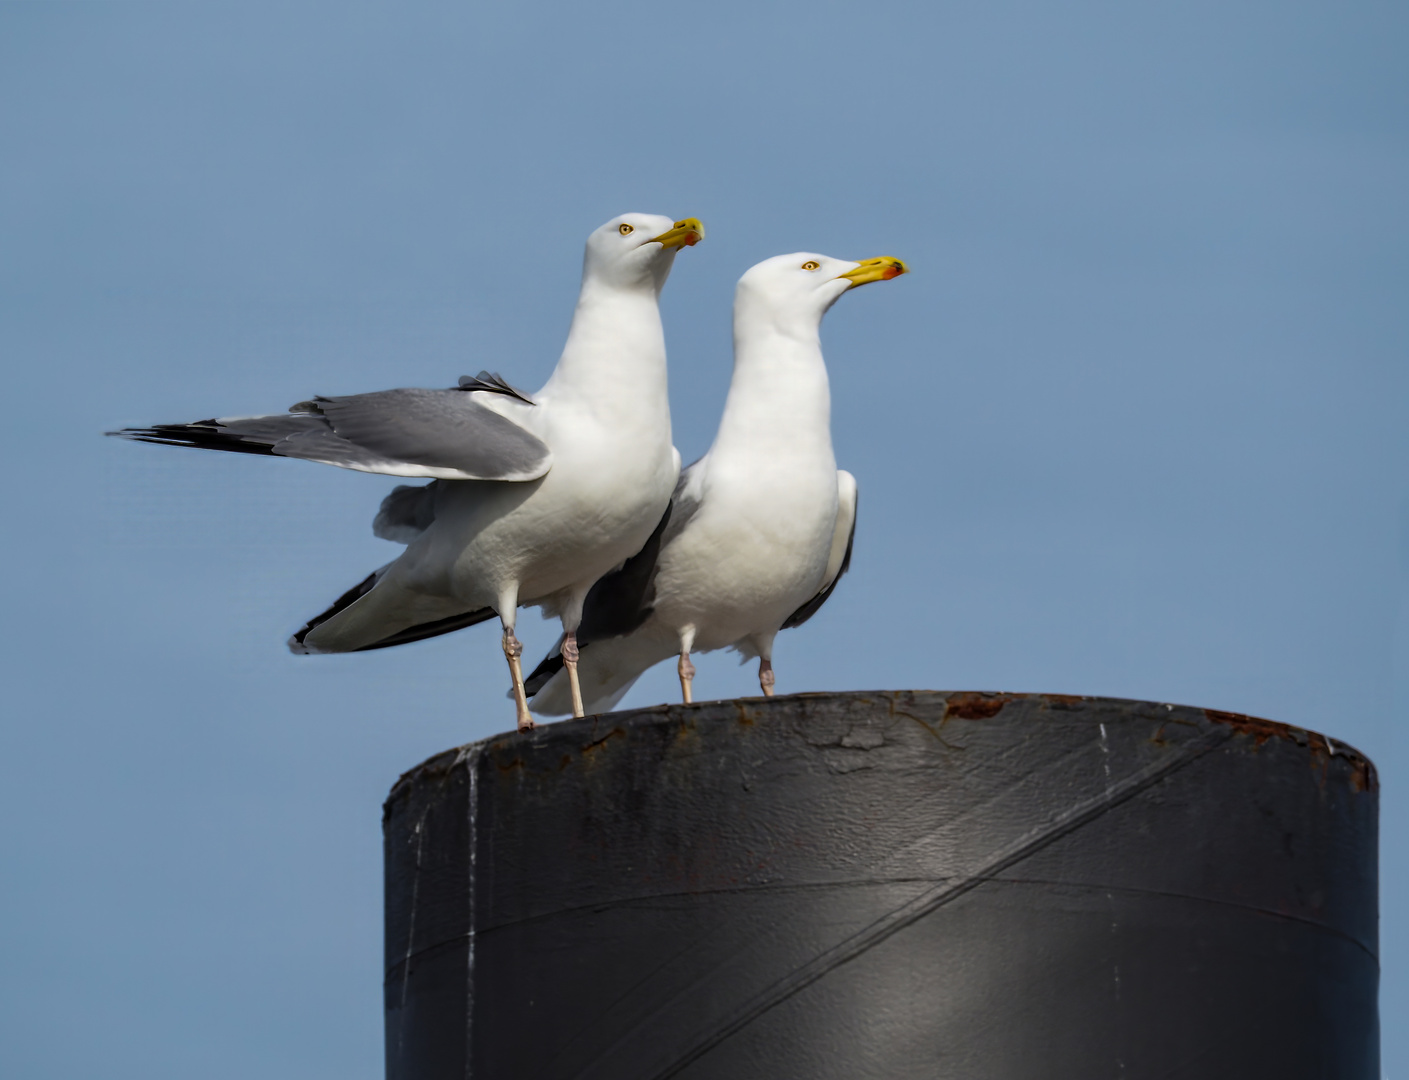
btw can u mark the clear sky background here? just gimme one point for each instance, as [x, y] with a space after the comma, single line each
[1135, 425]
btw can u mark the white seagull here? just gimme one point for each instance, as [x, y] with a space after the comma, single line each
[759, 530]
[534, 497]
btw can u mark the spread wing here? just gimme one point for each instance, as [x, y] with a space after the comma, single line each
[839, 561]
[445, 434]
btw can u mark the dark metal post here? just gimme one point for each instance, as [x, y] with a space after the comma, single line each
[886, 885]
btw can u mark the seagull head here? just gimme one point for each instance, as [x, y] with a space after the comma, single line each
[793, 292]
[637, 250]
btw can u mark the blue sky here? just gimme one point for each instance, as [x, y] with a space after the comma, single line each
[1135, 424]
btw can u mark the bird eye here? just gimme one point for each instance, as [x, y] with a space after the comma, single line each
[625, 229]
[811, 264]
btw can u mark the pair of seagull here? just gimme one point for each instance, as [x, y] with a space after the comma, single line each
[572, 499]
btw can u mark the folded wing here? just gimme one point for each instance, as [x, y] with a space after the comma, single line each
[839, 561]
[409, 630]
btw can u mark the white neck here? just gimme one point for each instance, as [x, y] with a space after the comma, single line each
[779, 402]
[615, 343]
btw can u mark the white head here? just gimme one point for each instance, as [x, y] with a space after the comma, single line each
[635, 251]
[790, 293]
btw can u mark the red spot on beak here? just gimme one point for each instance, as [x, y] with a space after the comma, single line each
[890, 272]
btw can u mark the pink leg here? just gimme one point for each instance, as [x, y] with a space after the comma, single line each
[765, 676]
[687, 675]
[513, 650]
[570, 654]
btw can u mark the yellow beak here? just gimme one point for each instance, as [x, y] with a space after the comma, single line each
[882, 268]
[685, 233]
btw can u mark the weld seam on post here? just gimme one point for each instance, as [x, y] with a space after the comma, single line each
[731, 890]
[1271, 913]
[411, 926]
[471, 764]
[913, 910]
[861, 883]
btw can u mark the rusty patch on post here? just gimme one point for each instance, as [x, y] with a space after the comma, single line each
[1362, 771]
[975, 706]
[1259, 729]
[597, 744]
[1362, 774]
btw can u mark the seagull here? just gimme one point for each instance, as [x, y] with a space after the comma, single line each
[759, 530]
[532, 498]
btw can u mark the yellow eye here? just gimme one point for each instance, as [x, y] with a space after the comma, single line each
[811, 264]
[625, 229]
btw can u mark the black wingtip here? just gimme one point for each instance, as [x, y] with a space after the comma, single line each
[550, 666]
[491, 382]
[421, 631]
[342, 603]
[142, 434]
[201, 435]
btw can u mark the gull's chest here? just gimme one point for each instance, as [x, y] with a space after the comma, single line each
[610, 469]
[596, 506]
[753, 552]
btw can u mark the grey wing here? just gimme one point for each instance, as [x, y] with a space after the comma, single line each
[685, 500]
[839, 560]
[622, 600]
[406, 513]
[445, 434]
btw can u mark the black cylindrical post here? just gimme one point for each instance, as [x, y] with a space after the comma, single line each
[889, 885]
